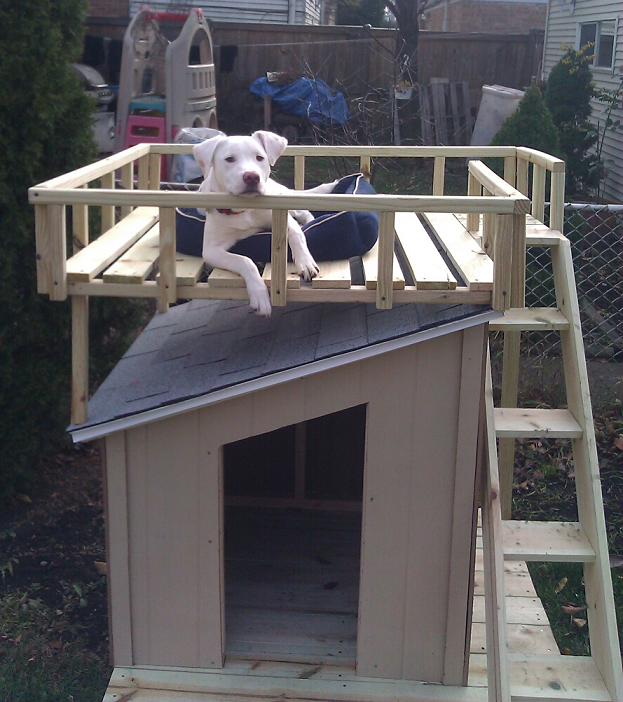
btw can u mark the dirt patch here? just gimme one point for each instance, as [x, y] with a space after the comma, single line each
[51, 540]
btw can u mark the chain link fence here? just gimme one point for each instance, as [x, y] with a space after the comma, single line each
[596, 235]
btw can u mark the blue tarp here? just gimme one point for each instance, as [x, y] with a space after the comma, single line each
[312, 99]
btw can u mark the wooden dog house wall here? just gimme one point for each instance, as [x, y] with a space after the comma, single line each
[421, 393]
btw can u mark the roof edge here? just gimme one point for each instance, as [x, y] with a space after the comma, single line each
[98, 431]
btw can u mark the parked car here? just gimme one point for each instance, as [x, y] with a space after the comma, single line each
[104, 117]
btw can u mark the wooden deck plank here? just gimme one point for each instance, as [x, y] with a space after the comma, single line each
[424, 261]
[293, 279]
[333, 274]
[93, 259]
[220, 278]
[371, 268]
[471, 261]
[137, 262]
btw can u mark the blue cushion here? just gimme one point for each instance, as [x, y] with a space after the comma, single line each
[331, 236]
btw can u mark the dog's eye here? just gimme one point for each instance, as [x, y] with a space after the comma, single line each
[259, 158]
[230, 159]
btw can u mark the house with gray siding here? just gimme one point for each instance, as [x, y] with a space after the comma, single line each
[576, 23]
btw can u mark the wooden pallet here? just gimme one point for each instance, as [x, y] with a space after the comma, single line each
[445, 112]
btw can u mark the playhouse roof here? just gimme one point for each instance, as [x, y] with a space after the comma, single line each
[205, 351]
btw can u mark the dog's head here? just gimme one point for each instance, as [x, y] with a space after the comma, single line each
[239, 165]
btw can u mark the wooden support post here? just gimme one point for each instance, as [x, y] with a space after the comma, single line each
[538, 191]
[557, 202]
[79, 358]
[474, 189]
[155, 164]
[166, 265]
[498, 684]
[279, 258]
[439, 175]
[143, 172]
[510, 361]
[385, 284]
[299, 172]
[51, 251]
[127, 182]
[522, 176]
[510, 167]
[502, 256]
[365, 167]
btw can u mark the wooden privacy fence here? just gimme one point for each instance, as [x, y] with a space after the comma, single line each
[359, 61]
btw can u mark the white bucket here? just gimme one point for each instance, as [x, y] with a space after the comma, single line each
[497, 104]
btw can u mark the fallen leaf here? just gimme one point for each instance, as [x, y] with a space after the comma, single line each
[616, 561]
[579, 622]
[100, 567]
[618, 442]
[24, 498]
[571, 609]
[561, 585]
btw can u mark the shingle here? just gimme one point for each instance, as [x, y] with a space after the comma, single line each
[341, 324]
[342, 346]
[249, 353]
[299, 321]
[292, 353]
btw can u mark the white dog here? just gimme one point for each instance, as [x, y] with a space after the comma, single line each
[240, 165]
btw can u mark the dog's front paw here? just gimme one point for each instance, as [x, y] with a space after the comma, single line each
[306, 267]
[259, 299]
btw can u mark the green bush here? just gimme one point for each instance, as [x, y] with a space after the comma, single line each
[45, 130]
[530, 125]
[568, 93]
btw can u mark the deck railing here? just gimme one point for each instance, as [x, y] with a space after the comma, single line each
[131, 179]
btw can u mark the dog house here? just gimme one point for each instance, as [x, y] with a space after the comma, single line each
[316, 506]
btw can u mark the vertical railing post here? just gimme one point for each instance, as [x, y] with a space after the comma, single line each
[108, 211]
[279, 258]
[167, 275]
[557, 201]
[143, 172]
[299, 172]
[502, 256]
[439, 175]
[365, 166]
[127, 183]
[510, 169]
[488, 228]
[474, 189]
[538, 192]
[155, 165]
[522, 176]
[385, 281]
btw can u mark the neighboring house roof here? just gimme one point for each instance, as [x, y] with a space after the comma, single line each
[207, 351]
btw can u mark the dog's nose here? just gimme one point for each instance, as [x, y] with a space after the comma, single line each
[251, 178]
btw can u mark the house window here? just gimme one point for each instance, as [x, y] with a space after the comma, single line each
[601, 35]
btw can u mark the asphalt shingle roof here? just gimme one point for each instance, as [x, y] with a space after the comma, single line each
[203, 346]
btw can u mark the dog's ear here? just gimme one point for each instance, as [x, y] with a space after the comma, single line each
[273, 144]
[204, 153]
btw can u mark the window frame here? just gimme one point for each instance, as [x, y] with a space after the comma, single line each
[598, 23]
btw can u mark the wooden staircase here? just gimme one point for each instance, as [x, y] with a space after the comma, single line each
[584, 541]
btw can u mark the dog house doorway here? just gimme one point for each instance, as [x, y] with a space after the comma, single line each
[293, 502]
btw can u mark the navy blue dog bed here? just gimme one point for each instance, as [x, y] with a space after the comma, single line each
[331, 236]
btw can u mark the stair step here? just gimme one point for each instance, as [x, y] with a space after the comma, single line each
[530, 319]
[546, 541]
[521, 423]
